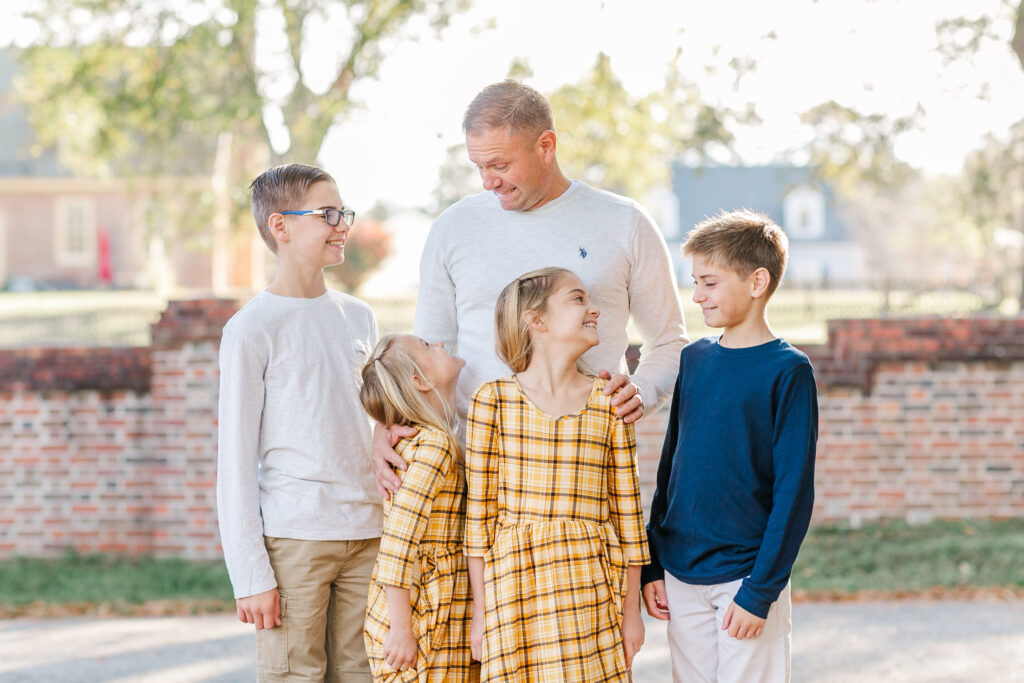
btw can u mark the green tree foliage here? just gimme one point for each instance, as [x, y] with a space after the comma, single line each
[992, 196]
[367, 246]
[961, 37]
[615, 139]
[139, 73]
[157, 87]
[854, 150]
[456, 178]
[994, 176]
[991, 188]
[915, 226]
[627, 143]
[854, 153]
[1018, 34]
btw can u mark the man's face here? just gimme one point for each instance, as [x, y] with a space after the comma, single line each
[517, 168]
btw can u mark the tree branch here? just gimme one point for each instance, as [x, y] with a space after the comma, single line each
[1018, 34]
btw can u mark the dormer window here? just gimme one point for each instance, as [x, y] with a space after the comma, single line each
[804, 213]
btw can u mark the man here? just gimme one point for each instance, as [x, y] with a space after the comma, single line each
[531, 216]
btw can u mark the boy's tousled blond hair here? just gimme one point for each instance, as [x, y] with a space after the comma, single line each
[281, 189]
[389, 397]
[742, 241]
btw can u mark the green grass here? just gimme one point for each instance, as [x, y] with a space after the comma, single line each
[70, 301]
[894, 556]
[107, 579]
[78, 318]
[891, 558]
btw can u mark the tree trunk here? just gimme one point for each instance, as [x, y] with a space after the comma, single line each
[219, 257]
[1018, 35]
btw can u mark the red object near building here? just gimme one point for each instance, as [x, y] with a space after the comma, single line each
[106, 270]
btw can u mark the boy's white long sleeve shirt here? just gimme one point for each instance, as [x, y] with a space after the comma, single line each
[293, 439]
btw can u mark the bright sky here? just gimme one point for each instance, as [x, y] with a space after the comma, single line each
[874, 55]
[877, 56]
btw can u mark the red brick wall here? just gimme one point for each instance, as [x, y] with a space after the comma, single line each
[919, 419]
[115, 449]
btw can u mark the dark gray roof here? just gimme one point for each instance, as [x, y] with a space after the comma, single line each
[703, 191]
[16, 135]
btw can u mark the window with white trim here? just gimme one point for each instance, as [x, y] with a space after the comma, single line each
[804, 213]
[75, 232]
[3, 247]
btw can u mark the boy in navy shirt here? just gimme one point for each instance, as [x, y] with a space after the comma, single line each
[736, 480]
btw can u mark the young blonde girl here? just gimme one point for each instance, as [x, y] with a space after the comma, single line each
[417, 618]
[554, 536]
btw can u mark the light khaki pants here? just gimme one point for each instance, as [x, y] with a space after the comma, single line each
[323, 587]
[703, 653]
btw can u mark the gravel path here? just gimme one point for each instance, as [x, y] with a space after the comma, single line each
[895, 642]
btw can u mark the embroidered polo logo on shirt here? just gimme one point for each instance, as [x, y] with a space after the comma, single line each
[583, 253]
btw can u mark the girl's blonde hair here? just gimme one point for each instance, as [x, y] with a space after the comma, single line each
[389, 397]
[529, 292]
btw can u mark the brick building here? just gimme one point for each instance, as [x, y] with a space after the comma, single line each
[67, 231]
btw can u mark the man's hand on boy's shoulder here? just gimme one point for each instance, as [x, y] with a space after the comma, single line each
[655, 599]
[741, 624]
[628, 403]
[262, 609]
[384, 458]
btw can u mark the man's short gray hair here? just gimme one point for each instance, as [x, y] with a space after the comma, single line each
[508, 105]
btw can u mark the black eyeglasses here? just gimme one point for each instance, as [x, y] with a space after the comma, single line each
[332, 216]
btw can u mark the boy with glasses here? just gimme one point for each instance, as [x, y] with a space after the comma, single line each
[300, 519]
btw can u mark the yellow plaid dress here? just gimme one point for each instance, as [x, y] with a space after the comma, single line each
[554, 509]
[421, 549]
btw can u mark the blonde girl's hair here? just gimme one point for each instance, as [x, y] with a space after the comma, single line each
[528, 292]
[389, 397]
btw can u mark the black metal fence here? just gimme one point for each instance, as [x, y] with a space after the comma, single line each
[97, 327]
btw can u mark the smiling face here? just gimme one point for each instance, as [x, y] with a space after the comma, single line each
[569, 316]
[309, 237]
[726, 299]
[519, 169]
[440, 369]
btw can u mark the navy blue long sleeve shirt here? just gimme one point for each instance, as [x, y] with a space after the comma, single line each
[736, 480]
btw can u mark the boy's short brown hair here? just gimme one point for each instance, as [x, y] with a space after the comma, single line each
[280, 189]
[742, 241]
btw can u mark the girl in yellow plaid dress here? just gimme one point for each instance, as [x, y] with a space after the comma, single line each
[554, 536]
[417, 617]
